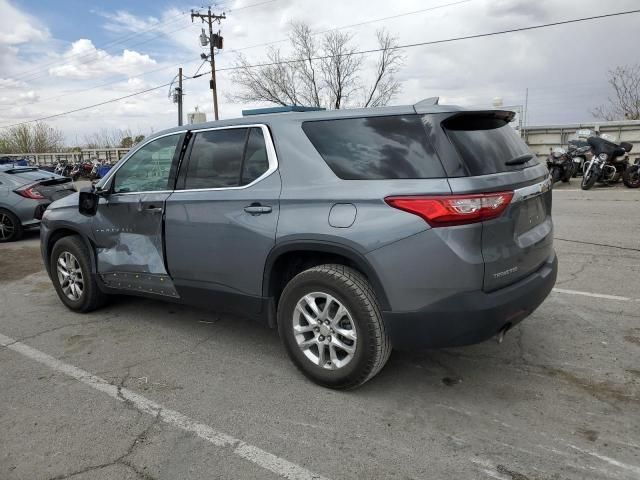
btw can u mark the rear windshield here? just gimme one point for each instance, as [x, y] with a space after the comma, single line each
[375, 148]
[487, 144]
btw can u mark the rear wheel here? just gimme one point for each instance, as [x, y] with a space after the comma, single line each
[332, 328]
[631, 176]
[589, 179]
[71, 275]
[10, 227]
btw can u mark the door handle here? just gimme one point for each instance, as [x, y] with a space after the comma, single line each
[152, 209]
[257, 209]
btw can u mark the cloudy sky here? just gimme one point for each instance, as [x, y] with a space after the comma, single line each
[62, 55]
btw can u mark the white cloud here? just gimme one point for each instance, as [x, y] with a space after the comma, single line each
[125, 21]
[564, 67]
[84, 61]
[11, 83]
[21, 99]
[17, 28]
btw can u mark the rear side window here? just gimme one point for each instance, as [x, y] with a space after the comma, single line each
[216, 158]
[226, 158]
[256, 161]
[375, 148]
[487, 144]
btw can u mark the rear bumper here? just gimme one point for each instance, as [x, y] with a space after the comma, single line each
[470, 317]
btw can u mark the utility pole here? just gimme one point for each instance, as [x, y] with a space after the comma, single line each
[176, 94]
[214, 41]
[179, 92]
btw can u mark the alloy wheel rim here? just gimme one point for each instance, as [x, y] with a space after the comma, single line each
[324, 330]
[70, 276]
[6, 227]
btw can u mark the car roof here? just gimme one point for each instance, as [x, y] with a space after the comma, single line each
[271, 118]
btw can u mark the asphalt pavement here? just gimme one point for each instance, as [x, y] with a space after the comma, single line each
[144, 389]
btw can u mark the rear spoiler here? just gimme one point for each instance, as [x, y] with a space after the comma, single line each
[471, 120]
[19, 169]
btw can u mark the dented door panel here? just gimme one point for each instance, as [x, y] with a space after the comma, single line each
[128, 233]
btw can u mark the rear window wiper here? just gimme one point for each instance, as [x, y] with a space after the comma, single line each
[519, 160]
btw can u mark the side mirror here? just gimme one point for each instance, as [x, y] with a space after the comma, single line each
[88, 202]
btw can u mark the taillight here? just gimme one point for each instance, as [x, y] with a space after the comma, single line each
[29, 192]
[448, 210]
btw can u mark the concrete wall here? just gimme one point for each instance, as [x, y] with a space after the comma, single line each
[541, 138]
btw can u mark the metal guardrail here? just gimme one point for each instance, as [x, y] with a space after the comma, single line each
[107, 155]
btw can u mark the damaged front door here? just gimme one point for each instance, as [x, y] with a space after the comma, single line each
[128, 226]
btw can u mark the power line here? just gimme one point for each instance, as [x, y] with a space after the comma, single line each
[90, 57]
[32, 71]
[35, 73]
[362, 52]
[367, 22]
[157, 87]
[436, 42]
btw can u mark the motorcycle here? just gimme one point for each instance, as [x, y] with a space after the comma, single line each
[563, 164]
[608, 163]
[581, 152]
[631, 176]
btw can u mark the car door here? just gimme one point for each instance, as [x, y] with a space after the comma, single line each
[221, 220]
[128, 226]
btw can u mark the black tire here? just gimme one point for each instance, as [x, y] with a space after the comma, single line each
[556, 173]
[91, 297]
[588, 180]
[353, 290]
[10, 222]
[631, 176]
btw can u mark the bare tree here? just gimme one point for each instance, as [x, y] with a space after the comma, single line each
[625, 105]
[340, 66]
[320, 72]
[114, 138]
[31, 138]
[385, 85]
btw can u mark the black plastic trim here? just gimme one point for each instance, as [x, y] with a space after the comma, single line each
[323, 246]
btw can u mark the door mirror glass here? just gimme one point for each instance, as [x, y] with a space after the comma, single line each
[88, 203]
[147, 170]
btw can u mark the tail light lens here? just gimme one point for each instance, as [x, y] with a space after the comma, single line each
[449, 210]
[29, 191]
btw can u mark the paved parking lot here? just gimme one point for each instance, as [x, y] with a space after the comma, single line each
[143, 389]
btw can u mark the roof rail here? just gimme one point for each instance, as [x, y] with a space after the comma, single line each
[288, 108]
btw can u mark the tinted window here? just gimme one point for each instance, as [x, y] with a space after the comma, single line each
[255, 159]
[373, 148]
[147, 169]
[486, 144]
[216, 159]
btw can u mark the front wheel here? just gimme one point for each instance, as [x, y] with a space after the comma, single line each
[70, 269]
[631, 176]
[588, 179]
[556, 174]
[332, 328]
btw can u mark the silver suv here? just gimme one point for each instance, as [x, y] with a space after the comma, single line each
[350, 231]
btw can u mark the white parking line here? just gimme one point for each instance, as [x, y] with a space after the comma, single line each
[253, 454]
[594, 295]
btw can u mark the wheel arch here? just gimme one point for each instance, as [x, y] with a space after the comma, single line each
[280, 254]
[65, 231]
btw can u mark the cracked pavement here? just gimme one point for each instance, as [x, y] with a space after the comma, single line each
[559, 399]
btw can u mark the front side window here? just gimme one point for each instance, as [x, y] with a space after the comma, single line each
[147, 169]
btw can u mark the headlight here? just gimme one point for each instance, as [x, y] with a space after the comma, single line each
[603, 156]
